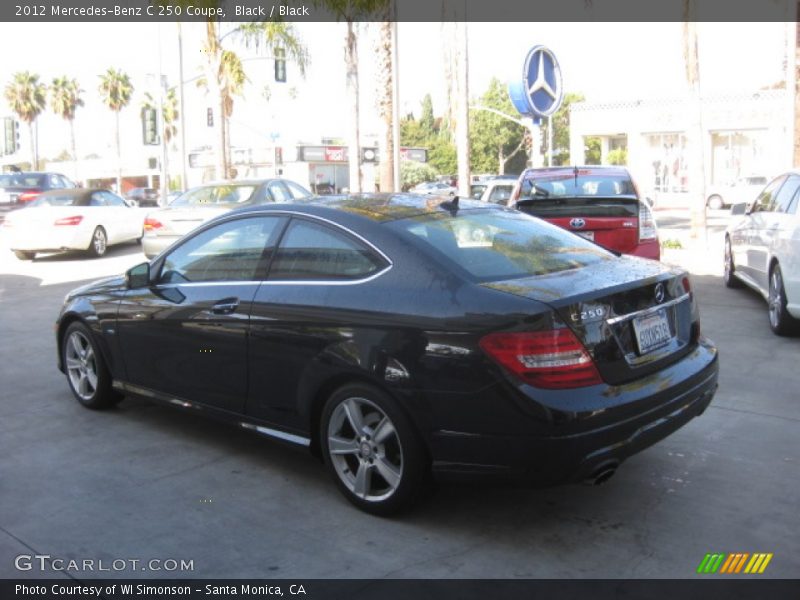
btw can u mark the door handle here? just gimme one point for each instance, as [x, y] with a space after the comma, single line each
[225, 306]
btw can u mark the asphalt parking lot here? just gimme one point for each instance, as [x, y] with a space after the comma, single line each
[145, 482]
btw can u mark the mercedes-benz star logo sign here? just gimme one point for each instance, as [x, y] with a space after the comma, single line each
[541, 83]
[659, 293]
[577, 223]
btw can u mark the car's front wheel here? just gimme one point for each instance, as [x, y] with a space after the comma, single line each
[780, 321]
[372, 450]
[728, 276]
[99, 243]
[85, 368]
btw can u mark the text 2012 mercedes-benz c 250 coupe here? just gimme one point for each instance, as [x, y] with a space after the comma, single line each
[398, 336]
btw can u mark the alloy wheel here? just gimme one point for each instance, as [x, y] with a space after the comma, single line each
[99, 242]
[81, 365]
[775, 298]
[365, 449]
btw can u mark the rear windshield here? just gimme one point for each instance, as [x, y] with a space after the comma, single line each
[568, 184]
[21, 180]
[494, 245]
[61, 200]
[215, 194]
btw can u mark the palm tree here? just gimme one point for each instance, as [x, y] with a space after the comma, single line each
[695, 133]
[385, 98]
[27, 98]
[169, 112]
[224, 74]
[65, 98]
[116, 91]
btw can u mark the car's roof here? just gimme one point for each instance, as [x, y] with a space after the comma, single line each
[379, 208]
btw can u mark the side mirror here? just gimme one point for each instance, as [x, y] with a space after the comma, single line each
[138, 276]
[738, 209]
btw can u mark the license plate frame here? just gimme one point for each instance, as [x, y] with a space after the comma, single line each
[652, 331]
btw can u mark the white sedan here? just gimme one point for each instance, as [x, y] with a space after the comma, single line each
[762, 250]
[436, 188]
[74, 219]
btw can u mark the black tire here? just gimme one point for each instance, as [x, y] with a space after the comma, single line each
[86, 371]
[24, 254]
[715, 202]
[780, 321]
[382, 466]
[731, 281]
[99, 244]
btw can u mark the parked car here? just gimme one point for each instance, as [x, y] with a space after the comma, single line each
[437, 188]
[23, 186]
[393, 335]
[498, 191]
[143, 196]
[762, 250]
[599, 203]
[200, 204]
[744, 189]
[72, 219]
[172, 196]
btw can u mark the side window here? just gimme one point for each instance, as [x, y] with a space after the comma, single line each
[766, 199]
[97, 199]
[278, 192]
[500, 194]
[54, 182]
[236, 250]
[113, 200]
[297, 192]
[314, 252]
[784, 197]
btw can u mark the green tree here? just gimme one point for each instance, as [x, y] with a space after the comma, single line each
[592, 151]
[617, 157]
[494, 139]
[65, 98]
[116, 90]
[26, 96]
[413, 173]
[427, 120]
[560, 122]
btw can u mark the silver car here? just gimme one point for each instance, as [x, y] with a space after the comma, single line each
[190, 210]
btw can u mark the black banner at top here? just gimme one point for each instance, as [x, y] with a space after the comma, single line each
[405, 10]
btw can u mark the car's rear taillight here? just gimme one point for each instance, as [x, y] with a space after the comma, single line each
[151, 224]
[27, 196]
[553, 359]
[76, 220]
[647, 224]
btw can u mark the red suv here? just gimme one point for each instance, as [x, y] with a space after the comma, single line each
[599, 203]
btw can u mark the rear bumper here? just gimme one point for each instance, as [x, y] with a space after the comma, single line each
[50, 239]
[153, 245]
[648, 249]
[579, 443]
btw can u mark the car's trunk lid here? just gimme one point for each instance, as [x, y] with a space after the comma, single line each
[633, 316]
[611, 222]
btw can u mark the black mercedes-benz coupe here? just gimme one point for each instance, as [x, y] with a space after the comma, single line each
[398, 336]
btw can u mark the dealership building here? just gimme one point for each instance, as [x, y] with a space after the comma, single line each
[743, 134]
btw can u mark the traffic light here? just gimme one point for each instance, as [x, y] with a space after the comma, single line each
[11, 135]
[150, 127]
[280, 65]
[210, 117]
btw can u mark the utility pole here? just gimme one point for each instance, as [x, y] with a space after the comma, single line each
[395, 106]
[181, 108]
[462, 116]
[696, 134]
[161, 85]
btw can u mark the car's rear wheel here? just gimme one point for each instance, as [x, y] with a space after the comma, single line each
[715, 202]
[728, 277]
[780, 321]
[99, 243]
[372, 450]
[24, 254]
[85, 368]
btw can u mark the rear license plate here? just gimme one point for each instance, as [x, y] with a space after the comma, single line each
[589, 235]
[652, 331]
